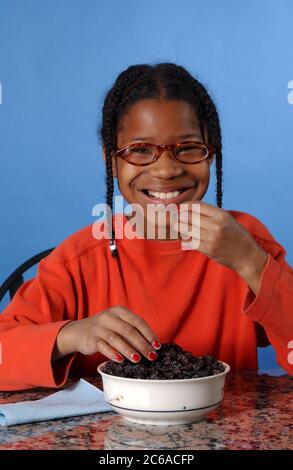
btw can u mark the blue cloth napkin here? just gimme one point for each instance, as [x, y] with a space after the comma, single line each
[82, 398]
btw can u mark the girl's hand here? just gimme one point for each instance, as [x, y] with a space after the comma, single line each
[115, 332]
[219, 236]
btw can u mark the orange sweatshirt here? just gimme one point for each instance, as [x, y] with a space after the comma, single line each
[185, 297]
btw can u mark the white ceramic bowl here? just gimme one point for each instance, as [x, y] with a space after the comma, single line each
[163, 402]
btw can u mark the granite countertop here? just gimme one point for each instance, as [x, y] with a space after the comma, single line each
[256, 413]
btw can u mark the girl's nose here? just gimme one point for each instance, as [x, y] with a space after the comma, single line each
[166, 166]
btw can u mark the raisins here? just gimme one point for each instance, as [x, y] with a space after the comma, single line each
[172, 363]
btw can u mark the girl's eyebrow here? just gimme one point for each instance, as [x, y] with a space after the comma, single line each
[184, 136]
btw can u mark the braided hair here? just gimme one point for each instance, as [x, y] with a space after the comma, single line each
[160, 81]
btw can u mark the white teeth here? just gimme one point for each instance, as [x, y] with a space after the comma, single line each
[158, 195]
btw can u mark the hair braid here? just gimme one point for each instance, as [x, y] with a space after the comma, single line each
[208, 113]
[108, 134]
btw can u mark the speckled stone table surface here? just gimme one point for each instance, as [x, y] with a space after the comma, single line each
[256, 413]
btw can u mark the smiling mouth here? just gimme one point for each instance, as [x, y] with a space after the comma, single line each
[160, 195]
[170, 196]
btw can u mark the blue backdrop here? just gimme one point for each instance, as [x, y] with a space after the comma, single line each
[59, 57]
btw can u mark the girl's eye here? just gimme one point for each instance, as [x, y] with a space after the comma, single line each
[193, 150]
[188, 148]
[140, 151]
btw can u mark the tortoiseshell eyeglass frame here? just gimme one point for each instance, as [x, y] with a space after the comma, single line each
[209, 150]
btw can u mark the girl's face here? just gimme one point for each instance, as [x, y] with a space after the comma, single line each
[161, 122]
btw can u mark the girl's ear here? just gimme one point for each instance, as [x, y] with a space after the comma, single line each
[114, 162]
[210, 157]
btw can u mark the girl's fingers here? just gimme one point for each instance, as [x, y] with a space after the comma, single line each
[139, 323]
[195, 243]
[117, 343]
[188, 232]
[109, 352]
[206, 209]
[133, 337]
[202, 229]
[205, 223]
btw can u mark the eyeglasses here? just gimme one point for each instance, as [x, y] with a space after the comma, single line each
[142, 153]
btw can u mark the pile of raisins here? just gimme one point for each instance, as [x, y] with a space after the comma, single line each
[172, 363]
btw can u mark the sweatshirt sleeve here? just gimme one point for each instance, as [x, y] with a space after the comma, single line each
[29, 326]
[272, 307]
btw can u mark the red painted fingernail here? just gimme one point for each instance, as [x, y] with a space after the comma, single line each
[156, 344]
[152, 355]
[119, 358]
[135, 357]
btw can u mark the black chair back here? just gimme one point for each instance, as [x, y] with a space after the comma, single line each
[15, 280]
